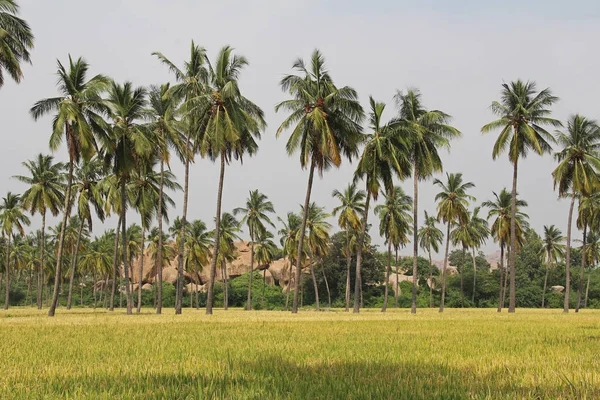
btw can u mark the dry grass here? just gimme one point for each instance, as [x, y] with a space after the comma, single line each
[470, 354]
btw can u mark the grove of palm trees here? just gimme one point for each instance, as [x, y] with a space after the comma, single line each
[272, 298]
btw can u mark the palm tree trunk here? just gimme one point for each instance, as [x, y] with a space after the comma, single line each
[413, 307]
[316, 287]
[444, 269]
[124, 245]
[94, 288]
[29, 279]
[81, 291]
[462, 286]
[328, 292]
[348, 265]
[568, 258]
[545, 285]
[74, 264]
[159, 255]
[251, 272]
[474, 278]
[179, 296]
[213, 262]
[42, 262]
[387, 277]
[430, 280]
[115, 268]
[299, 254]
[141, 274]
[7, 274]
[61, 240]
[582, 274]
[225, 291]
[262, 300]
[513, 240]
[197, 297]
[287, 289]
[361, 240]
[587, 290]
[506, 275]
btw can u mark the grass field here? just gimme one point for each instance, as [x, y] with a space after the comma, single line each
[462, 354]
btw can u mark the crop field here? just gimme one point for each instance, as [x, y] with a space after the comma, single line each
[462, 354]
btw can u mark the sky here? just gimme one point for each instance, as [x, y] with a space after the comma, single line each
[457, 53]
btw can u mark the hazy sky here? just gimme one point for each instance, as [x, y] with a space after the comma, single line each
[457, 53]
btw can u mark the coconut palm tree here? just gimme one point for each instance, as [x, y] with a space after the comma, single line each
[96, 258]
[384, 156]
[127, 145]
[461, 236]
[12, 220]
[552, 251]
[165, 127]
[592, 254]
[589, 215]
[523, 113]
[255, 217]
[576, 174]
[500, 210]
[232, 124]
[15, 42]
[265, 251]
[45, 192]
[395, 225]
[325, 122]
[453, 201]
[290, 235]
[167, 252]
[352, 204]
[430, 238]
[76, 120]
[479, 232]
[425, 132]
[230, 228]
[198, 242]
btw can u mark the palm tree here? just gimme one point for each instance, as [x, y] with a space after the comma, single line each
[264, 253]
[165, 128]
[384, 156]
[501, 209]
[45, 192]
[112, 191]
[15, 42]
[395, 225]
[255, 217]
[453, 201]
[96, 257]
[128, 143]
[326, 123]
[290, 235]
[230, 227]
[352, 206]
[592, 255]
[77, 120]
[425, 132]
[430, 238]
[198, 242]
[232, 124]
[478, 232]
[522, 113]
[12, 218]
[461, 235]
[551, 252]
[589, 215]
[576, 173]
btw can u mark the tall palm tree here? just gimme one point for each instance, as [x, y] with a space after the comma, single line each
[45, 192]
[317, 240]
[430, 238]
[552, 251]
[128, 143]
[501, 209]
[290, 235]
[589, 217]
[265, 251]
[198, 242]
[111, 189]
[15, 42]
[461, 236]
[453, 201]
[352, 204]
[232, 124]
[479, 231]
[77, 120]
[576, 174]
[230, 228]
[325, 122]
[384, 156]
[165, 127]
[12, 219]
[425, 131]
[592, 255]
[522, 113]
[255, 218]
[395, 225]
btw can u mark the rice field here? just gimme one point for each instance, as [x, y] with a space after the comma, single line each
[462, 354]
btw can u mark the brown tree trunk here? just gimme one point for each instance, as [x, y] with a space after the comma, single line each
[213, 262]
[396, 293]
[328, 292]
[115, 267]
[430, 279]
[315, 286]
[444, 269]
[225, 285]
[387, 276]
[74, 264]
[587, 291]
[568, 258]
[513, 241]
[299, 254]
[159, 255]
[141, 274]
[413, 307]
[348, 266]
[7, 274]
[94, 289]
[506, 275]
[361, 240]
[179, 296]
[40, 285]
[124, 245]
[251, 272]
[582, 274]
[462, 270]
[61, 238]
[474, 278]
[545, 283]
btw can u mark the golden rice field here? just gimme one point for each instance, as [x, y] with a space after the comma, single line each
[462, 354]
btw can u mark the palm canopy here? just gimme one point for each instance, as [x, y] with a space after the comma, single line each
[46, 185]
[265, 248]
[163, 107]
[16, 39]
[168, 251]
[325, 120]
[290, 234]
[553, 248]
[134, 240]
[424, 131]
[430, 236]
[523, 113]
[12, 215]
[453, 199]
[352, 206]
[255, 213]
[228, 233]
[589, 212]
[395, 219]
[87, 188]
[499, 209]
[318, 230]
[198, 242]
[385, 154]
[578, 160]
[592, 249]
